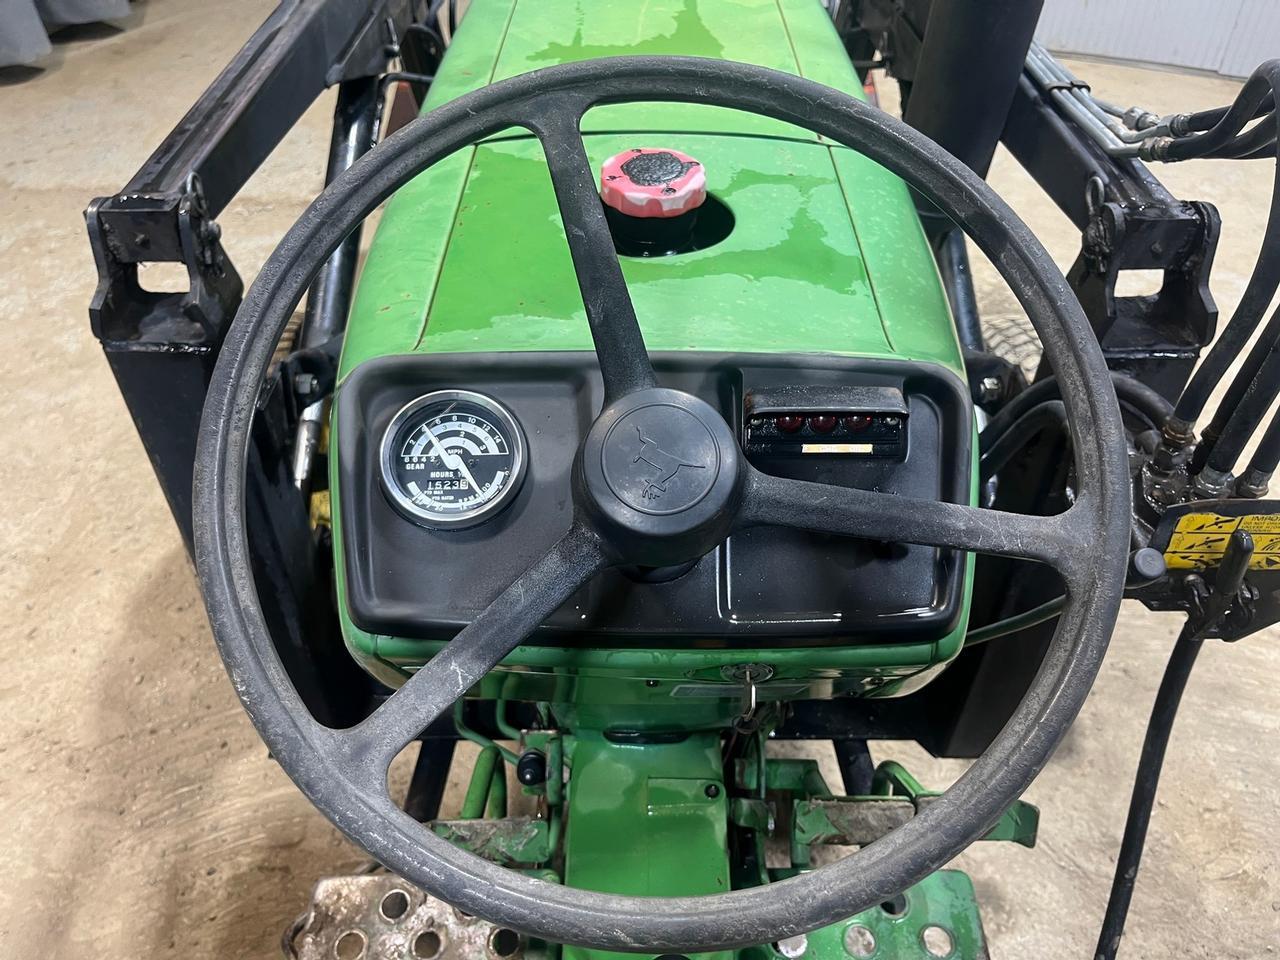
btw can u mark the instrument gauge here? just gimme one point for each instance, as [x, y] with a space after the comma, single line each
[452, 459]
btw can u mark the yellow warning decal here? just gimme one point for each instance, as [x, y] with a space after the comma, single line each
[1200, 540]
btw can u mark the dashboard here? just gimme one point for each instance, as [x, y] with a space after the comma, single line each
[453, 474]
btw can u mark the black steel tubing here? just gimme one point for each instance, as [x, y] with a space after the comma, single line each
[972, 57]
[329, 298]
[952, 254]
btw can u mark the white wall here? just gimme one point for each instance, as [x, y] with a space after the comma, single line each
[1228, 36]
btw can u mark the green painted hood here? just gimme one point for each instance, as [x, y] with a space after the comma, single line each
[826, 255]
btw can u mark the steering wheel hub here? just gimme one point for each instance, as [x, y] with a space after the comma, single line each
[660, 459]
[661, 468]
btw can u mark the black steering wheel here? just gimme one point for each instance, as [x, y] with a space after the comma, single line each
[344, 772]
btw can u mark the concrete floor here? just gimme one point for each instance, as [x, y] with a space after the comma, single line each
[143, 816]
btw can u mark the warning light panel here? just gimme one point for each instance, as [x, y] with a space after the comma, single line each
[826, 421]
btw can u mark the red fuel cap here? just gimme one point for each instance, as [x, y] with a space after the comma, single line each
[653, 182]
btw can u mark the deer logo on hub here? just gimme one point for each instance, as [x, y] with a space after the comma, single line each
[666, 465]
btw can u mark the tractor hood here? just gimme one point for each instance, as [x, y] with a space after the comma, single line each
[825, 253]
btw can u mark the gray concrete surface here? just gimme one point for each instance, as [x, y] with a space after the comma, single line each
[142, 816]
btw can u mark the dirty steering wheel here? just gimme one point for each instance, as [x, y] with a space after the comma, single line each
[344, 772]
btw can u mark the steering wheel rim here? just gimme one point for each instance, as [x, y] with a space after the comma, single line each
[339, 771]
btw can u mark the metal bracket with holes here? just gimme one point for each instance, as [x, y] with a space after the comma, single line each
[375, 916]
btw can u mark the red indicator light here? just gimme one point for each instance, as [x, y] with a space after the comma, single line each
[823, 423]
[788, 424]
[858, 423]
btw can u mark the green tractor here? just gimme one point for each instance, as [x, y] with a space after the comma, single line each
[660, 426]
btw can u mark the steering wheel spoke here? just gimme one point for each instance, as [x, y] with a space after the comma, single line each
[478, 648]
[624, 361]
[775, 501]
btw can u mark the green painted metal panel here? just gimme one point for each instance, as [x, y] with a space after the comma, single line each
[505, 38]
[899, 930]
[408, 247]
[748, 31]
[789, 278]
[647, 820]
[389, 309]
[472, 251]
[826, 255]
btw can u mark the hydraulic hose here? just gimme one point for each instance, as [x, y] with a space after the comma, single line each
[1138, 133]
[1262, 284]
[1207, 133]
[1262, 153]
[1244, 379]
[1257, 476]
[1146, 566]
[999, 448]
[1247, 414]
[1203, 120]
[1262, 84]
[1159, 727]
[1020, 621]
[1259, 141]
[1138, 397]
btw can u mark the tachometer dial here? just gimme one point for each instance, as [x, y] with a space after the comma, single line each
[452, 458]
